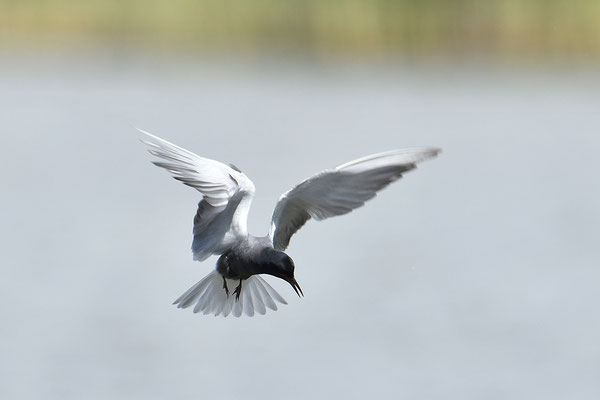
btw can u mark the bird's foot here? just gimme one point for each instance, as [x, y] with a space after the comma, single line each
[238, 291]
[225, 287]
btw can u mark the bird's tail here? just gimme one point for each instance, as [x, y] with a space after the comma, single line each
[210, 297]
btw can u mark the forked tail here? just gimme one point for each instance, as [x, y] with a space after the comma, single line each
[210, 297]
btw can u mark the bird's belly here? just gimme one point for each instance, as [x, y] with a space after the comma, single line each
[232, 275]
[233, 268]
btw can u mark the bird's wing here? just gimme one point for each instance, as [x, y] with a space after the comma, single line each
[226, 195]
[340, 190]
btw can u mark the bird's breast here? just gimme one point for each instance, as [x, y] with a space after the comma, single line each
[233, 266]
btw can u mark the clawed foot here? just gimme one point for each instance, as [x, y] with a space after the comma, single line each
[225, 287]
[238, 291]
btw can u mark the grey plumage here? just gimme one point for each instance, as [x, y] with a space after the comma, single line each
[340, 190]
[220, 223]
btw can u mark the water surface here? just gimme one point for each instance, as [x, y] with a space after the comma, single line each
[476, 276]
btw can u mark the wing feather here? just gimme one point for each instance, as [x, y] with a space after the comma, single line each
[226, 194]
[340, 190]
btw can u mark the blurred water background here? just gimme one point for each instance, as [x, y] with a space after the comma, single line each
[475, 276]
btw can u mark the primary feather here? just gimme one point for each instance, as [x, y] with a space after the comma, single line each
[226, 195]
[340, 190]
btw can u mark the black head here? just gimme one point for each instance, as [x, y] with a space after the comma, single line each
[282, 266]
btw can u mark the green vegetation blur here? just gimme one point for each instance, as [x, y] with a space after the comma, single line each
[413, 27]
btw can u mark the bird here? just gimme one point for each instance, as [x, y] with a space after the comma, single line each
[236, 286]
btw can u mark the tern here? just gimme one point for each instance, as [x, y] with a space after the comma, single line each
[235, 286]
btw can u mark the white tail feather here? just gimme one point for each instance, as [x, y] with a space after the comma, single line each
[210, 297]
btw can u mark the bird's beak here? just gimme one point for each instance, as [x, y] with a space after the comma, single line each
[294, 284]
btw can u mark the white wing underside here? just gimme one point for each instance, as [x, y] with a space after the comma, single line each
[226, 195]
[340, 190]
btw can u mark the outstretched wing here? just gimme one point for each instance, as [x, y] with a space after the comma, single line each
[340, 190]
[226, 195]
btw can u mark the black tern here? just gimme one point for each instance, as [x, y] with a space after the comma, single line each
[220, 221]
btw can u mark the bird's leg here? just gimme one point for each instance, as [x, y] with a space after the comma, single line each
[238, 290]
[225, 287]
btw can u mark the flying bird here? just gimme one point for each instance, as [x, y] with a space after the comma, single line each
[220, 223]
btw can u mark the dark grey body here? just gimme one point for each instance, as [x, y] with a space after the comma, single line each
[255, 255]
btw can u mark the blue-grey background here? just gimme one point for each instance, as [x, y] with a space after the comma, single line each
[474, 277]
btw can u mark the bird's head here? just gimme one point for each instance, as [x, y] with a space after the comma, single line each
[282, 266]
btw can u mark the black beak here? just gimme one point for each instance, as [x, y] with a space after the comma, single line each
[294, 284]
